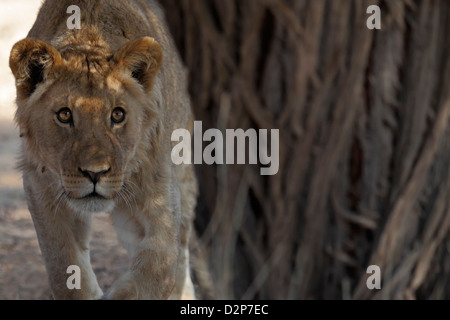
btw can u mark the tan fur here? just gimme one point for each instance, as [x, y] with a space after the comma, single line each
[121, 57]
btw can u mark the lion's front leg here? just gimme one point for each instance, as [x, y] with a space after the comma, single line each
[151, 238]
[64, 241]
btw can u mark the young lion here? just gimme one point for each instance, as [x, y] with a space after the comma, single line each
[96, 108]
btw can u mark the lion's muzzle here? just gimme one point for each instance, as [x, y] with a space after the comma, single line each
[94, 174]
[92, 189]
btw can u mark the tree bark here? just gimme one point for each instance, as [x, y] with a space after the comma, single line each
[364, 126]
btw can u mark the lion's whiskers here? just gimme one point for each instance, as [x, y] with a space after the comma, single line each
[129, 191]
[123, 197]
[127, 196]
[61, 198]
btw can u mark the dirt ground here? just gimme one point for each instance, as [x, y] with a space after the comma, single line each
[22, 270]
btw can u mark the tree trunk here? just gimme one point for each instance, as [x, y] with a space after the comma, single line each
[364, 146]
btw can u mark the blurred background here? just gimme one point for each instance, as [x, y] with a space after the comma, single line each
[22, 272]
[364, 145]
[364, 173]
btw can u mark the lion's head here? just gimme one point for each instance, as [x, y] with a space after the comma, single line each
[83, 111]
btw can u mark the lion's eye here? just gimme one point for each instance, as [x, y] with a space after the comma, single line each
[64, 115]
[118, 115]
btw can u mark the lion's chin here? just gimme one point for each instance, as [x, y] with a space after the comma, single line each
[91, 204]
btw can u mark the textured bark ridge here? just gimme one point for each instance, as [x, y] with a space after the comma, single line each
[364, 125]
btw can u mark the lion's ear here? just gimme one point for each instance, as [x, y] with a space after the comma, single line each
[30, 61]
[142, 59]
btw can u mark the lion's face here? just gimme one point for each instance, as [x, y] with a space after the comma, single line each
[88, 141]
[85, 118]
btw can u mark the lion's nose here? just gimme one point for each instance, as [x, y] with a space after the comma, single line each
[94, 174]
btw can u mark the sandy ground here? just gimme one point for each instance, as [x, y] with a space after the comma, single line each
[22, 270]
